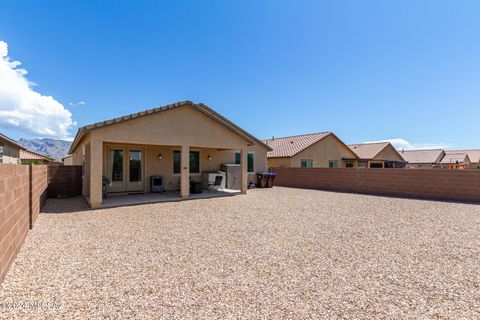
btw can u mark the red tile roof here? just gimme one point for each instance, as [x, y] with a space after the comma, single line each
[423, 156]
[290, 146]
[368, 150]
[473, 154]
[454, 156]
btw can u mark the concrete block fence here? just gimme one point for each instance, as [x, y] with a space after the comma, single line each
[449, 185]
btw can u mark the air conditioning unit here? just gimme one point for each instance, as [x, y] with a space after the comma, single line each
[156, 184]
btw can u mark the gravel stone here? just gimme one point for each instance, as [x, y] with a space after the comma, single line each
[273, 253]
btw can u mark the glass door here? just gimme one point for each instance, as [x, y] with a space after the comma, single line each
[135, 181]
[116, 170]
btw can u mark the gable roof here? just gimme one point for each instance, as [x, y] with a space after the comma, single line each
[30, 155]
[454, 156]
[423, 156]
[290, 146]
[11, 141]
[200, 107]
[368, 150]
[473, 154]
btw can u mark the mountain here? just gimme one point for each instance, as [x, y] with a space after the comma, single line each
[56, 149]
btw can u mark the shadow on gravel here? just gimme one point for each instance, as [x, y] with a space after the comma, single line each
[65, 205]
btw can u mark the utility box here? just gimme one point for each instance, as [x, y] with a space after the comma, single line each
[233, 176]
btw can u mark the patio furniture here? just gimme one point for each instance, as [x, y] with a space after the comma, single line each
[265, 180]
[216, 184]
[105, 181]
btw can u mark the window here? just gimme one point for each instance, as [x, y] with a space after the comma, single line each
[176, 161]
[250, 160]
[376, 165]
[333, 164]
[194, 161]
[1, 149]
[135, 165]
[362, 164]
[116, 158]
[306, 163]
[349, 164]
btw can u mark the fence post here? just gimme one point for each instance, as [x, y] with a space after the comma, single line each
[30, 195]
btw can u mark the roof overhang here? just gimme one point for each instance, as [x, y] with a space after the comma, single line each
[200, 107]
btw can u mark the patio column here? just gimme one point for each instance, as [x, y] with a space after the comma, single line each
[244, 164]
[96, 164]
[185, 172]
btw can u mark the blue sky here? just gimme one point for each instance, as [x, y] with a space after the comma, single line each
[366, 70]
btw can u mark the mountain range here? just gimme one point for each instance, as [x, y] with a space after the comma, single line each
[56, 149]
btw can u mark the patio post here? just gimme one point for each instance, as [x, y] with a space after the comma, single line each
[185, 172]
[244, 164]
[96, 164]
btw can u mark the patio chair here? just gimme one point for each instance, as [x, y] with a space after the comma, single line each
[217, 184]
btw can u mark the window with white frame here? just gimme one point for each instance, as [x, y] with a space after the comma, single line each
[306, 163]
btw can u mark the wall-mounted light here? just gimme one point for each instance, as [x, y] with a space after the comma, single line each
[160, 156]
[209, 157]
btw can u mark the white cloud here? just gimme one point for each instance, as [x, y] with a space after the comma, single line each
[400, 143]
[77, 104]
[25, 109]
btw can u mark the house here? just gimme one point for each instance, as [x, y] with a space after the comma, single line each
[30, 157]
[67, 160]
[177, 142]
[454, 160]
[473, 155]
[9, 150]
[315, 150]
[423, 159]
[377, 155]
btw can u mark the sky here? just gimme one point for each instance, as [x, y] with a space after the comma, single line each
[406, 71]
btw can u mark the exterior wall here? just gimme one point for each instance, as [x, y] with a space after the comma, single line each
[22, 191]
[422, 165]
[279, 162]
[11, 153]
[462, 185]
[68, 161]
[389, 154]
[64, 181]
[159, 133]
[325, 150]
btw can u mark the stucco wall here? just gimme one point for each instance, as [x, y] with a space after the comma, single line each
[327, 149]
[390, 154]
[11, 153]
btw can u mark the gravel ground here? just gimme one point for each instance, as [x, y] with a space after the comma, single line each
[275, 253]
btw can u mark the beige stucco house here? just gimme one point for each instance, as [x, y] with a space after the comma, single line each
[455, 160]
[473, 156]
[315, 150]
[178, 142]
[9, 150]
[423, 159]
[377, 155]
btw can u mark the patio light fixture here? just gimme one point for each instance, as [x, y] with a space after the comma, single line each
[160, 156]
[209, 157]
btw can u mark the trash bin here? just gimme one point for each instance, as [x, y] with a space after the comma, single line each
[261, 180]
[195, 187]
[270, 178]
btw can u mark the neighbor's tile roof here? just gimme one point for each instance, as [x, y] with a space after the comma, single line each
[473, 155]
[422, 156]
[368, 150]
[30, 155]
[454, 156]
[290, 146]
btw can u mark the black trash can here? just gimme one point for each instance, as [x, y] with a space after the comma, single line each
[270, 178]
[195, 187]
[261, 180]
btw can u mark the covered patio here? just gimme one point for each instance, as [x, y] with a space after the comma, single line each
[168, 196]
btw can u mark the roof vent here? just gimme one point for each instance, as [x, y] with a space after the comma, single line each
[291, 141]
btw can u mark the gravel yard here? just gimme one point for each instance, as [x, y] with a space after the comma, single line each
[274, 253]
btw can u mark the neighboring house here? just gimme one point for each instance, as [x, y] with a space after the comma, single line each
[423, 159]
[9, 150]
[473, 155]
[315, 150]
[30, 157]
[68, 160]
[454, 160]
[178, 142]
[377, 155]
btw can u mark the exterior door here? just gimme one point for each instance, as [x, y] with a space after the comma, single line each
[125, 169]
[135, 181]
